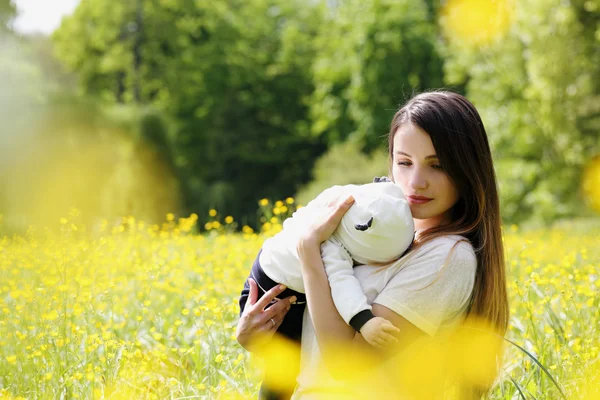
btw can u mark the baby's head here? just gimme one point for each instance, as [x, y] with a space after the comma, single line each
[379, 226]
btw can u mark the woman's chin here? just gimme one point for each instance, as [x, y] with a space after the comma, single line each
[419, 213]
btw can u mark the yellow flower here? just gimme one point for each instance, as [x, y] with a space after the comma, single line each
[228, 219]
[11, 359]
[289, 200]
[591, 183]
[170, 217]
[51, 316]
[263, 202]
[476, 22]
[212, 212]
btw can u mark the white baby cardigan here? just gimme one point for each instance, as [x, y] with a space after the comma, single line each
[280, 261]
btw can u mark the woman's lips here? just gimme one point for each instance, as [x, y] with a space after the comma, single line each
[418, 199]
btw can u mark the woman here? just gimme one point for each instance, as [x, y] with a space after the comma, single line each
[440, 157]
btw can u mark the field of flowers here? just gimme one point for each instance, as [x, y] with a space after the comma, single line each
[128, 310]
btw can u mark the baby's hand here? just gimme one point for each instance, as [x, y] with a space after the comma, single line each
[378, 332]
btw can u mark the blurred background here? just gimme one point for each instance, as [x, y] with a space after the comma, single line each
[145, 107]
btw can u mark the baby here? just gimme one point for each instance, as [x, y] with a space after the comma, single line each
[377, 229]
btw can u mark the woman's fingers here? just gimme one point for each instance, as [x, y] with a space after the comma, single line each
[331, 217]
[264, 301]
[278, 318]
[278, 310]
[280, 306]
[343, 206]
[335, 216]
[252, 295]
[273, 324]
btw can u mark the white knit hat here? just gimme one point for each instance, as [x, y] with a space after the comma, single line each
[379, 226]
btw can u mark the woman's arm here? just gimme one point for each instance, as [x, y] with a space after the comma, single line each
[327, 321]
[329, 326]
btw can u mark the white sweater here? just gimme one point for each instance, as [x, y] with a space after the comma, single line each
[430, 287]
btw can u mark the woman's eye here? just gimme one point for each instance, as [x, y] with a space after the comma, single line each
[437, 166]
[405, 163]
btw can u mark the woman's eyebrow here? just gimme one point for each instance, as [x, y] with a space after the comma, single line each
[401, 153]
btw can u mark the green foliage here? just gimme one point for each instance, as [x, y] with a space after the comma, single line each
[243, 119]
[7, 12]
[257, 90]
[96, 41]
[372, 56]
[235, 77]
[538, 92]
[343, 164]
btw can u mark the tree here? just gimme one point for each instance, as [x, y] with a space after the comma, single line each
[235, 76]
[536, 87]
[8, 12]
[242, 101]
[372, 56]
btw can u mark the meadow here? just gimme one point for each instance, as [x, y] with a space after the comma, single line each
[126, 310]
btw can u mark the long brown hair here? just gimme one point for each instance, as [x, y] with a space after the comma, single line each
[461, 144]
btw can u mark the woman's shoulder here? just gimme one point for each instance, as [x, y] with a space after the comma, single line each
[455, 248]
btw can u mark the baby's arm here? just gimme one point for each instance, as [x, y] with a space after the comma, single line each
[349, 298]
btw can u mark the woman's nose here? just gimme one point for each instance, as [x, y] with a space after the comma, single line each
[418, 181]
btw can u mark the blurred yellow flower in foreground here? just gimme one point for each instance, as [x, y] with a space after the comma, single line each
[591, 183]
[591, 386]
[476, 22]
[462, 362]
[281, 358]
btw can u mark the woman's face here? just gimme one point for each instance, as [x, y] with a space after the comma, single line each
[417, 170]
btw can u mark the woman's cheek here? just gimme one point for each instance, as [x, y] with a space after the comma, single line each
[399, 178]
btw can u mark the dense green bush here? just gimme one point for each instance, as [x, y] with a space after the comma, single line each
[343, 164]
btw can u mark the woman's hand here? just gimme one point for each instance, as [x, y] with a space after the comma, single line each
[326, 223]
[258, 324]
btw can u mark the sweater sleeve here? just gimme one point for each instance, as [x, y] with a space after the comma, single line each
[346, 291]
[433, 287]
